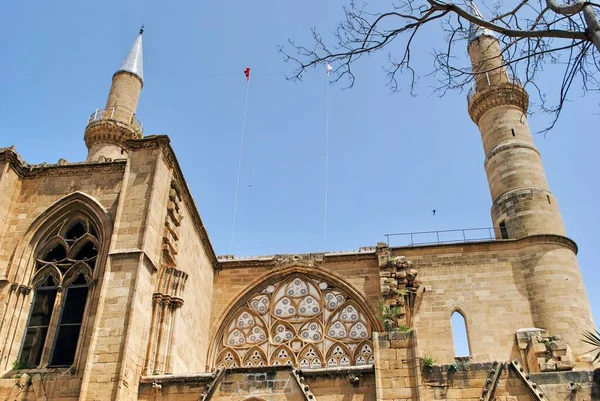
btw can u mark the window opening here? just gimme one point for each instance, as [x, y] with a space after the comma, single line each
[39, 321]
[459, 335]
[548, 197]
[62, 327]
[513, 131]
[55, 254]
[87, 252]
[77, 230]
[503, 230]
[70, 323]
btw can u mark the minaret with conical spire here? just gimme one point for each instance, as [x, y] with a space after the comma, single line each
[523, 206]
[109, 128]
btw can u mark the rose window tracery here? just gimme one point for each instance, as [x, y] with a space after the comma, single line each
[299, 321]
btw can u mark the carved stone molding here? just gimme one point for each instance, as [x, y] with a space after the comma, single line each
[506, 94]
[109, 131]
[26, 170]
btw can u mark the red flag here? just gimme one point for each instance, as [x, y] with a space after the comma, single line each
[247, 73]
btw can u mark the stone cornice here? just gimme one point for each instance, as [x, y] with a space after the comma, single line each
[464, 247]
[506, 94]
[275, 261]
[163, 142]
[26, 170]
[285, 260]
[200, 378]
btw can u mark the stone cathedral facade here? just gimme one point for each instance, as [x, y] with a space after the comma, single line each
[110, 288]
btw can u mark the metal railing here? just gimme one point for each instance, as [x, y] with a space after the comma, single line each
[442, 237]
[491, 80]
[118, 113]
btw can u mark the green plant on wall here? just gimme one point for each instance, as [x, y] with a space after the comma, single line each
[20, 365]
[428, 362]
[453, 367]
[403, 328]
[388, 313]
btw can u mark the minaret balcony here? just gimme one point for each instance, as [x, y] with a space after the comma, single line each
[492, 90]
[492, 80]
[118, 114]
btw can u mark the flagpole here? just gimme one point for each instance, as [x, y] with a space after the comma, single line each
[237, 182]
[326, 151]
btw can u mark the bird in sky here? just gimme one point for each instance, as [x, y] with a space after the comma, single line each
[433, 211]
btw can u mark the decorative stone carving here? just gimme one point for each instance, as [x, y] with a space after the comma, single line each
[504, 94]
[308, 260]
[298, 321]
[399, 287]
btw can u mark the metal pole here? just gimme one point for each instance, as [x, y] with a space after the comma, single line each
[411, 239]
[388, 239]
[112, 112]
[437, 233]
[464, 236]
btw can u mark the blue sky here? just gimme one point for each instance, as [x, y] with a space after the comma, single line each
[392, 157]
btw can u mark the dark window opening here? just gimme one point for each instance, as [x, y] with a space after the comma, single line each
[503, 230]
[548, 197]
[513, 131]
[37, 327]
[87, 251]
[80, 280]
[70, 256]
[70, 325]
[55, 254]
[77, 230]
[49, 282]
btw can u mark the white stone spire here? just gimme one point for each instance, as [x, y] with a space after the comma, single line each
[134, 61]
[476, 31]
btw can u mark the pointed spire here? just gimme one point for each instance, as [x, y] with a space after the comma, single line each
[134, 61]
[476, 31]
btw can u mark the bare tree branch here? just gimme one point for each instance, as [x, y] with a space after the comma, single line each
[531, 34]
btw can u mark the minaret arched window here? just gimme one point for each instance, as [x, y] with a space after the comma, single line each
[64, 269]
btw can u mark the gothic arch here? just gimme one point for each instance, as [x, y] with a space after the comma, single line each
[26, 270]
[65, 208]
[292, 301]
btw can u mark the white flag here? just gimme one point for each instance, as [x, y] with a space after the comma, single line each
[329, 68]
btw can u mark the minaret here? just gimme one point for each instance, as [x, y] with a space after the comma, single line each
[109, 128]
[523, 206]
[522, 202]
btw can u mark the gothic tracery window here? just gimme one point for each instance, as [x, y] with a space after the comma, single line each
[63, 271]
[299, 321]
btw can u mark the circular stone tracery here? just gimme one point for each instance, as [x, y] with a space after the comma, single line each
[299, 321]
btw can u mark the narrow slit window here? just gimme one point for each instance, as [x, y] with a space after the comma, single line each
[513, 131]
[503, 230]
[459, 335]
[548, 197]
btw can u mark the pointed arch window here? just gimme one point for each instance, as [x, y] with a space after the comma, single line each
[64, 270]
[460, 335]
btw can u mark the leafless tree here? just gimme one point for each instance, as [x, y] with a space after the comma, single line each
[531, 33]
